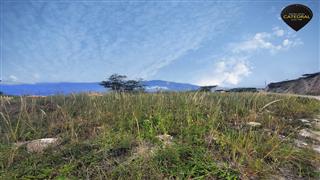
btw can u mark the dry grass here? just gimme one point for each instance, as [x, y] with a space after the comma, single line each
[116, 136]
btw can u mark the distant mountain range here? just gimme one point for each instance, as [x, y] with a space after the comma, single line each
[45, 89]
[307, 84]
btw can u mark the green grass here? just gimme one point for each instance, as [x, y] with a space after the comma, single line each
[115, 136]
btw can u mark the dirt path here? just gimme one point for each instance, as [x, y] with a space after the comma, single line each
[298, 95]
[306, 96]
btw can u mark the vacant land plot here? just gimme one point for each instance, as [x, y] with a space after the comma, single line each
[157, 136]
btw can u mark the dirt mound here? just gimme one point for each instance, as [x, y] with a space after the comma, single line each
[307, 84]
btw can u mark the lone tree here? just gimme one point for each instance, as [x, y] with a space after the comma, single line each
[119, 83]
[207, 88]
[133, 85]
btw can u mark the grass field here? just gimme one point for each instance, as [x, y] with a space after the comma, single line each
[158, 136]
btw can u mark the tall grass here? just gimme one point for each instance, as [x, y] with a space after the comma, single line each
[102, 136]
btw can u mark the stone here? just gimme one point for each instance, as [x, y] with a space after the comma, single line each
[300, 143]
[165, 138]
[282, 137]
[304, 120]
[316, 148]
[254, 124]
[307, 133]
[316, 123]
[39, 145]
[308, 124]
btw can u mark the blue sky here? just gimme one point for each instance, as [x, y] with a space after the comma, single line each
[229, 43]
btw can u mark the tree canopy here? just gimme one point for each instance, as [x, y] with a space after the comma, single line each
[207, 88]
[119, 83]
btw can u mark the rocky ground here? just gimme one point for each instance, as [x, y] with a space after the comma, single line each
[310, 137]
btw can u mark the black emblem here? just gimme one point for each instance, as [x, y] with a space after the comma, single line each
[296, 16]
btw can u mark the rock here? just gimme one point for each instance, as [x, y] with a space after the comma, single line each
[282, 137]
[254, 124]
[165, 138]
[39, 145]
[316, 148]
[316, 123]
[300, 143]
[304, 120]
[308, 124]
[307, 133]
[304, 133]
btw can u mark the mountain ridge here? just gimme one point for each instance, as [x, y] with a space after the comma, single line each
[47, 88]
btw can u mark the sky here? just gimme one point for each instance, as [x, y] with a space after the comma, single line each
[225, 43]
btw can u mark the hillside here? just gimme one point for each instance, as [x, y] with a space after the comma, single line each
[308, 84]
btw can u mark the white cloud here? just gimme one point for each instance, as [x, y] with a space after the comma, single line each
[274, 42]
[13, 78]
[230, 71]
[257, 42]
[286, 42]
[233, 67]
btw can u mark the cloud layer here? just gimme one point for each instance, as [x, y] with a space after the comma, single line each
[273, 42]
[88, 41]
[230, 71]
[231, 68]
